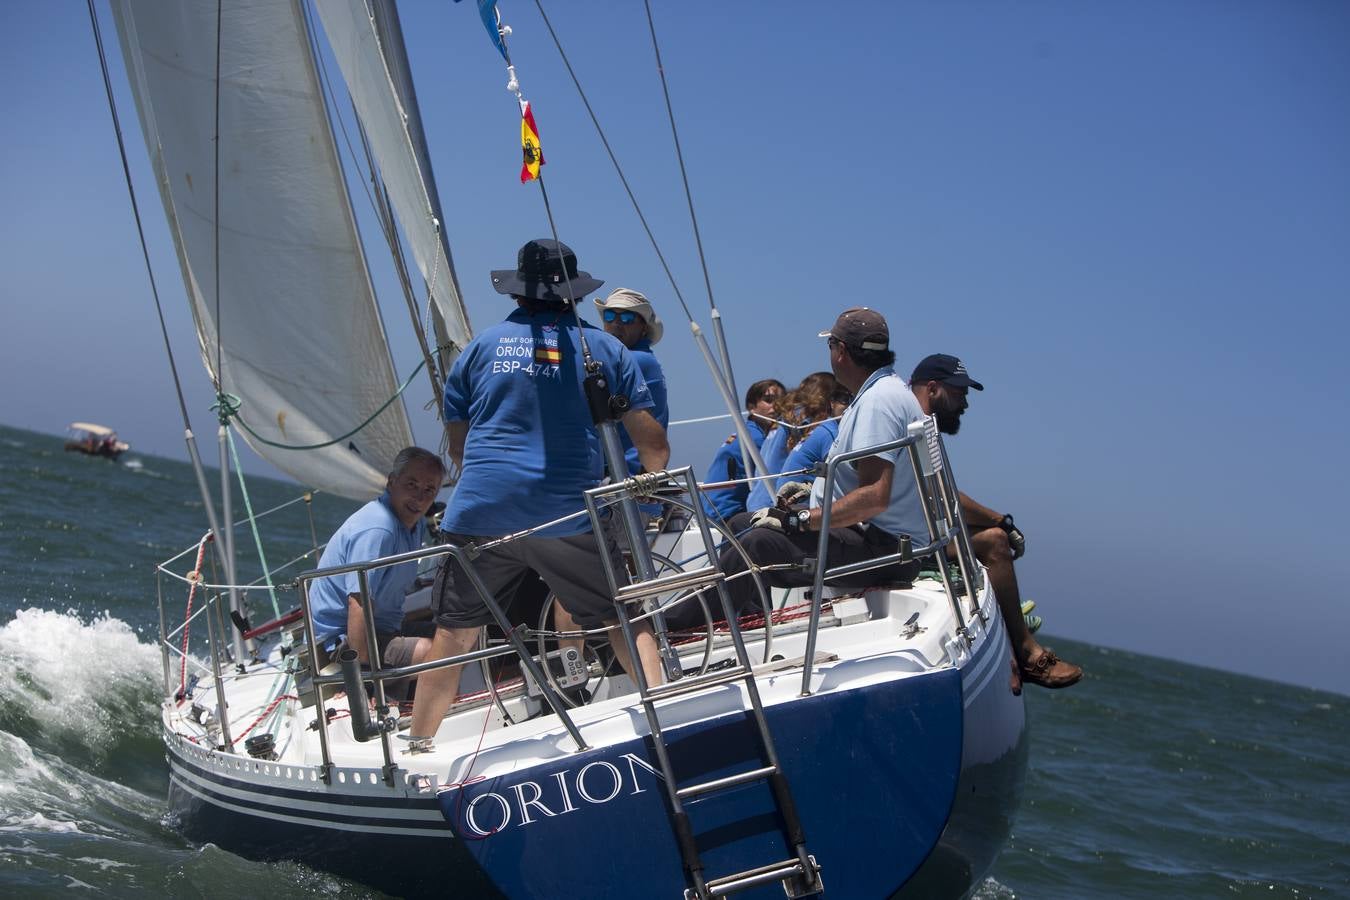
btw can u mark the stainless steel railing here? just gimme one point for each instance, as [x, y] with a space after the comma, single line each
[939, 499]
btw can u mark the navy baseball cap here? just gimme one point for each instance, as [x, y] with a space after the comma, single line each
[945, 368]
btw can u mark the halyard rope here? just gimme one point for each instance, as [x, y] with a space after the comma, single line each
[195, 577]
[265, 714]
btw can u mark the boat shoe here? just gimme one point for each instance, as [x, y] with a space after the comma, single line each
[1049, 671]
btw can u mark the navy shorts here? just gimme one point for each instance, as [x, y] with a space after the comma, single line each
[570, 566]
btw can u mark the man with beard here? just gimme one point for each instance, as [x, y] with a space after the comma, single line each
[941, 384]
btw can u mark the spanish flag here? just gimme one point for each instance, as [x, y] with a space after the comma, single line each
[547, 356]
[529, 142]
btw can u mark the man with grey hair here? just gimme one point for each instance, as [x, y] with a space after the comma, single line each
[871, 505]
[391, 523]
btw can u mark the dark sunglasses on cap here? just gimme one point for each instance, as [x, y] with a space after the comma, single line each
[626, 316]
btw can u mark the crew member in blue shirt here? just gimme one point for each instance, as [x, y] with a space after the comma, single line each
[810, 402]
[815, 447]
[727, 464]
[628, 316]
[521, 431]
[390, 524]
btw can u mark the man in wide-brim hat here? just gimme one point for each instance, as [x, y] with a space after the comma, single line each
[628, 316]
[546, 270]
[521, 432]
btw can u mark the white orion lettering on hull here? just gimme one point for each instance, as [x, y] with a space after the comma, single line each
[527, 802]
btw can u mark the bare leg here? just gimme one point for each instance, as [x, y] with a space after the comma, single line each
[991, 548]
[437, 689]
[648, 653]
[563, 621]
[421, 651]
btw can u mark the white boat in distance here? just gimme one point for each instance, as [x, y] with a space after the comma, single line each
[95, 440]
[844, 743]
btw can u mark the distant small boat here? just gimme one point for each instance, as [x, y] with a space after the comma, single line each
[95, 440]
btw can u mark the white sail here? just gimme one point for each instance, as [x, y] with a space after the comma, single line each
[301, 341]
[365, 52]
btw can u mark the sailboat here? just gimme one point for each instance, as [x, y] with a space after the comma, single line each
[845, 743]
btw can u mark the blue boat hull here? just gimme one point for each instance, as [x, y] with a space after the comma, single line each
[993, 773]
[873, 770]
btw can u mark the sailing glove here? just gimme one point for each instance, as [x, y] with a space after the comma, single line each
[786, 521]
[1016, 540]
[792, 492]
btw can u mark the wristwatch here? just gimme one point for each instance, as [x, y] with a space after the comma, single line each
[803, 518]
[1006, 523]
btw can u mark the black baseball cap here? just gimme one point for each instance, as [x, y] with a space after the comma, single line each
[945, 368]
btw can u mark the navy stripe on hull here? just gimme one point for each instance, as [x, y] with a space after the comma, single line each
[418, 865]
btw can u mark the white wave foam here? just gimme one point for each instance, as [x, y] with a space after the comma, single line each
[93, 681]
[103, 864]
[40, 791]
[19, 765]
[991, 889]
[39, 822]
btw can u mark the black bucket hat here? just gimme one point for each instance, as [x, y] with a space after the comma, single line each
[544, 270]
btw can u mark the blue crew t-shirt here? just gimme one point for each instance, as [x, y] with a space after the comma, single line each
[369, 533]
[773, 451]
[531, 449]
[813, 448]
[727, 466]
[650, 367]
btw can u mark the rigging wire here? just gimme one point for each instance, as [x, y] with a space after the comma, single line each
[513, 85]
[722, 374]
[188, 437]
[136, 214]
[747, 455]
[253, 525]
[215, 228]
[623, 179]
[684, 174]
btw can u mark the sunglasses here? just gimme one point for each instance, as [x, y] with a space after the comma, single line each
[627, 316]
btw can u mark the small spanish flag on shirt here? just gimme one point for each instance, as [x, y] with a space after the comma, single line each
[529, 142]
[547, 356]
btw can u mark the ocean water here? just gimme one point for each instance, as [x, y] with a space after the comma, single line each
[1151, 778]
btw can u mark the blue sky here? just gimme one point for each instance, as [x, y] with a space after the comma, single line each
[1131, 220]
